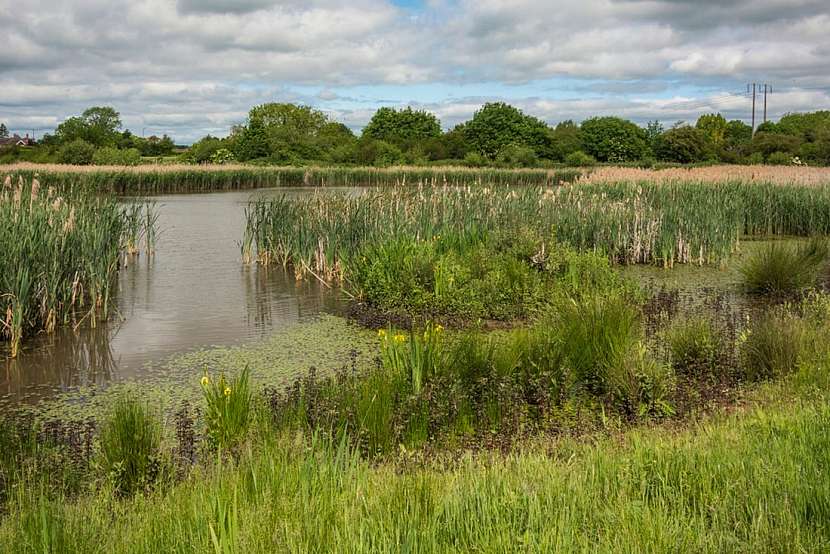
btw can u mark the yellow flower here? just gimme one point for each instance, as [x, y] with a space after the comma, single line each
[205, 381]
[400, 338]
[439, 328]
[382, 333]
[227, 391]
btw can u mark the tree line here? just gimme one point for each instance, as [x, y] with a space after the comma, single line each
[497, 134]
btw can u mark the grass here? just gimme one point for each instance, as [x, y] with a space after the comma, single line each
[785, 269]
[707, 489]
[130, 447]
[60, 255]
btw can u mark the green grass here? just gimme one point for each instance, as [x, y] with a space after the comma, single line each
[751, 482]
[785, 269]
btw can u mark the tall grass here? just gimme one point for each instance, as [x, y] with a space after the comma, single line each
[59, 255]
[160, 179]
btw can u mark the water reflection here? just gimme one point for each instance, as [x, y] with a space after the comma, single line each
[193, 292]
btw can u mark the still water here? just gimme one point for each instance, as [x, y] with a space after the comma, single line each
[193, 292]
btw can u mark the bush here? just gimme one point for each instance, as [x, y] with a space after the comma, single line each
[474, 159]
[130, 442]
[77, 152]
[695, 345]
[780, 158]
[771, 346]
[579, 159]
[517, 156]
[228, 408]
[779, 268]
[113, 156]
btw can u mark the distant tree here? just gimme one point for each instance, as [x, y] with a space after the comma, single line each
[807, 126]
[98, 126]
[767, 142]
[252, 142]
[613, 139]
[4, 131]
[653, 131]
[155, 146]
[567, 139]
[517, 156]
[203, 150]
[683, 144]
[292, 130]
[77, 152]
[110, 155]
[378, 153]
[497, 125]
[714, 128]
[402, 128]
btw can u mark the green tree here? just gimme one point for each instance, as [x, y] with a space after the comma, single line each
[613, 139]
[684, 144]
[653, 131]
[714, 128]
[567, 139]
[767, 142]
[498, 125]
[402, 128]
[4, 131]
[98, 126]
[252, 142]
[292, 130]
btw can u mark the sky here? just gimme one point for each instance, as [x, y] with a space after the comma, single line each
[194, 67]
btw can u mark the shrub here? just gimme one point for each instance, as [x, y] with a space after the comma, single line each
[579, 159]
[695, 345]
[780, 158]
[130, 442]
[415, 356]
[514, 155]
[779, 268]
[77, 152]
[113, 156]
[228, 408]
[771, 346]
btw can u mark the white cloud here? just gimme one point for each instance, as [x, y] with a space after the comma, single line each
[196, 66]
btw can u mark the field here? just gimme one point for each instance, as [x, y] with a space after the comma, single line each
[505, 382]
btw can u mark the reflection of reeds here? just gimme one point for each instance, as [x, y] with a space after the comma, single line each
[667, 223]
[60, 254]
[152, 179]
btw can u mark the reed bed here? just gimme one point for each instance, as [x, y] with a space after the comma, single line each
[631, 223]
[182, 178]
[59, 255]
[723, 174]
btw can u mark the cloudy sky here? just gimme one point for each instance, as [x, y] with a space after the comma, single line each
[192, 67]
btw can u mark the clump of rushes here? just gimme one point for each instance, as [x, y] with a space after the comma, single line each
[782, 269]
[772, 345]
[60, 257]
[696, 346]
[130, 447]
[228, 408]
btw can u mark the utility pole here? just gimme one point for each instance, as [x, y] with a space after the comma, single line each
[766, 87]
[754, 87]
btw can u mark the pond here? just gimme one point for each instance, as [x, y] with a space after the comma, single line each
[193, 292]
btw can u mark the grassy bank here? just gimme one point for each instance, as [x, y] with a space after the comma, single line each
[163, 179]
[753, 481]
[60, 255]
